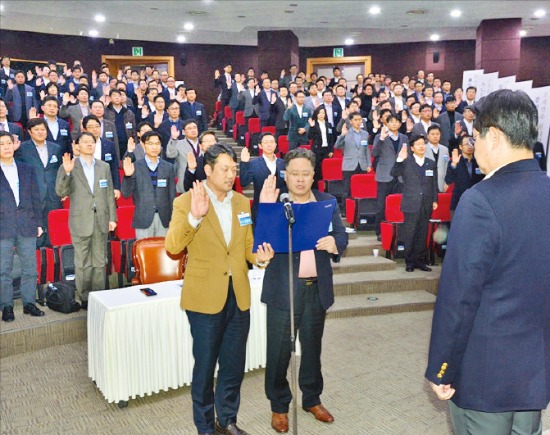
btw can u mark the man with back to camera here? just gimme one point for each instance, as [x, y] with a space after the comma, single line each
[214, 224]
[313, 295]
[490, 342]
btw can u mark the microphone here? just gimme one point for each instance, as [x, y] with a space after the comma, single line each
[289, 213]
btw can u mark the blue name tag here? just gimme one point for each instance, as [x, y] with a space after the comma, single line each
[244, 219]
[128, 126]
[63, 132]
[161, 182]
[445, 159]
[364, 143]
[330, 130]
[282, 174]
[304, 115]
[103, 183]
[109, 134]
[478, 171]
[92, 98]
[29, 94]
[198, 112]
[3, 82]
[108, 157]
[429, 173]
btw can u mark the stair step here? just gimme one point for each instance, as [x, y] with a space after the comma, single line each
[388, 281]
[381, 303]
[363, 264]
[363, 245]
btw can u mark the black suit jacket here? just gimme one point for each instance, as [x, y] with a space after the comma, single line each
[419, 187]
[199, 116]
[275, 285]
[109, 155]
[461, 179]
[165, 131]
[22, 220]
[199, 174]
[221, 83]
[147, 199]
[316, 135]
[336, 112]
[64, 139]
[15, 129]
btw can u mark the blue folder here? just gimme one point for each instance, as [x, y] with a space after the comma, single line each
[313, 221]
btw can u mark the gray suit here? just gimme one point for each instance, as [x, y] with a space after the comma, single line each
[385, 152]
[74, 113]
[442, 163]
[354, 153]
[178, 149]
[245, 98]
[447, 130]
[418, 128]
[90, 214]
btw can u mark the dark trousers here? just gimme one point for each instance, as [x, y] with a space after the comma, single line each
[309, 320]
[218, 338]
[413, 234]
[25, 247]
[346, 176]
[382, 191]
[320, 155]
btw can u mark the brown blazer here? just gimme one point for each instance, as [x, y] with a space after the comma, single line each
[209, 261]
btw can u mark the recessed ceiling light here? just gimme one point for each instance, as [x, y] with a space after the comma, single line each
[348, 41]
[293, 5]
[180, 39]
[522, 32]
[197, 13]
[416, 12]
[455, 13]
[1, 8]
[188, 26]
[434, 37]
[241, 16]
[289, 11]
[539, 13]
[100, 18]
[93, 33]
[374, 10]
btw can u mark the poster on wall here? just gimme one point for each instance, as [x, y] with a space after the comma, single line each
[486, 83]
[469, 78]
[521, 86]
[541, 98]
[505, 82]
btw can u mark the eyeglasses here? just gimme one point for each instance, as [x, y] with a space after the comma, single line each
[303, 174]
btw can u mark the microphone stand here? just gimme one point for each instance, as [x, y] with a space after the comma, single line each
[291, 221]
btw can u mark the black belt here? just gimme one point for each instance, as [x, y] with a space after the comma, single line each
[309, 281]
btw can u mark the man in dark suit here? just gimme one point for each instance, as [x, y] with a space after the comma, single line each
[104, 150]
[421, 128]
[265, 101]
[8, 126]
[419, 200]
[224, 82]
[173, 120]
[298, 126]
[280, 106]
[247, 97]
[21, 217]
[151, 182]
[447, 121]
[490, 342]
[191, 109]
[211, 222]
[195, 165]
[77, 111]
[332, 108]
[45, 158]
[88, 184]
[286, 79]
[257, 170]
[6, 73]
[108, 129]
[313, 295]
[21, 98]
[58, 129]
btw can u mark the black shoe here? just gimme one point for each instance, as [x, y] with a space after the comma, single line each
[7, 314]
[409, 268]
[424, 268]
[379, 237]
[231, 429]
[33, 310]
[84, 305]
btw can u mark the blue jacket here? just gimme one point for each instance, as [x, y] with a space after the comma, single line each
[64, 139]
[491, 325]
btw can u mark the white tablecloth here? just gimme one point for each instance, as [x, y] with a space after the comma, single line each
[139, 345]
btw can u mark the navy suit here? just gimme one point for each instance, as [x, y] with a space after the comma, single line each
[109, 155]
[15, 104]
[256, 171]
[336, 112]
[462, 179]
[196, 112]
[198, 175]
[64, 139]
[165, 131]
[311, 300]
[46, 176]
[491, 324]
[15, 129]
[265, 106]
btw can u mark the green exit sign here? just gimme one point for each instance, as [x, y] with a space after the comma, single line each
[137, 51]
[338, 52]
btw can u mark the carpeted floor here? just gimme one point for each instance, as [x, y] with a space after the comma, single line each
[373, 368]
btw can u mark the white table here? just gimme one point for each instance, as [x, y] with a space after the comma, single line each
[139, 345]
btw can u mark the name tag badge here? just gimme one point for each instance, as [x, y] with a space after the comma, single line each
[478, 171]
[54, 159]
[304, 115]
[161, 182]
[330, 228]
[108, 157]
[198, 112]
[109, 134]
[63, 132]
[334, 114]
[244, 219]
[103, 183]
[330, 130]
[3, 81]
[128, 126]
[29, 94]
[429, 173]
[282, 174]
[538, 155]
[92, 98]
[364, 143]
[445, 159]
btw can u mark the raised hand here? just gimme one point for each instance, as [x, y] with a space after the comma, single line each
[245, 155]
[455, 158]
[38, 70]
[404, 116]
[269, 192]
[410, 125]
[384, 133]
[38, 82]
[289, 103]
[144, 111]
[62, 80]
[458, 128]
[68, 163]
[217, 74]
[128, 167]
[71, 87]
[174, 130]
[66, 98]
[131, 144]
[10, 84]
[435, 113]
[345, 114]
[344, 129]
[375, 115]
[67, 71]
[119, 75]
[403, 154]
[94, 76]
[191, 161]
[16, 142]
[30, 75]
[283, 73]
[33, 113]
[200, 202]
[311, 122]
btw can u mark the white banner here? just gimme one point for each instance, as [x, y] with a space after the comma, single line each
[469, 78]
[487, 83]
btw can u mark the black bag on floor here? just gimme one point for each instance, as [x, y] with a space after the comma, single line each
[60, 296]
